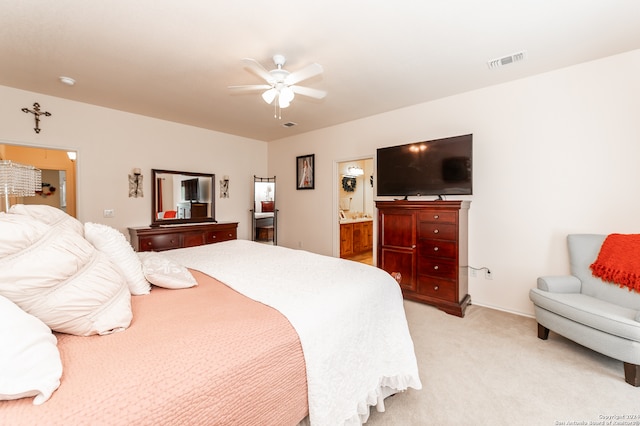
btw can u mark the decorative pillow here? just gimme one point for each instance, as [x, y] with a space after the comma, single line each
[267, 206]
[18, 233]
[53, 273]
[111, 242]
[30, 359]
[164, 272]
[49, 215]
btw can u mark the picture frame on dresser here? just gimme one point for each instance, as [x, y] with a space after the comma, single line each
[305, 167]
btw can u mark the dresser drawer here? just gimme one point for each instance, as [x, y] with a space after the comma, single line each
[443, 231]
[160, 242]
[442, 289]
[438, 216]
[437, 267]
[438, 248]
[192, 239]
[218, 236]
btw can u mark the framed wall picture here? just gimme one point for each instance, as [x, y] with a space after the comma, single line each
[304, 172]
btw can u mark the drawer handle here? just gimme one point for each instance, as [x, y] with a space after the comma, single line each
[436, 267]
[397, 276]
[435, 216]
[173, 241]
[230, 235]
[436, 288]
[149, 243]
[215, 236]
[435, 231]
[413, 246]
[436, 248]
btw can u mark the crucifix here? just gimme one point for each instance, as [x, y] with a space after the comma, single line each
[37, 113]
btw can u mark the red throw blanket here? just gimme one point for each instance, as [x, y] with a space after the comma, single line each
[619, 261]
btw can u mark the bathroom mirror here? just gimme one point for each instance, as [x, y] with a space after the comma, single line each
[182, 197]
[58, 175]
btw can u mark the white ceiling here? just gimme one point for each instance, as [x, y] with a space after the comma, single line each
[174, 59]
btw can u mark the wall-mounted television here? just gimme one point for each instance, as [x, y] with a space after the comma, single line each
[435, 167]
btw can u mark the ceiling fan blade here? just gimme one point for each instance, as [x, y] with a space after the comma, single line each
[309, 71]
[250, 88]
[307, 91]
[255, 67]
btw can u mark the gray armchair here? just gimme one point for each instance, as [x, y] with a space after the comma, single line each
[596, 314]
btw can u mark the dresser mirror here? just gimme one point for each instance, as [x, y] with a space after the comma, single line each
[182, 197]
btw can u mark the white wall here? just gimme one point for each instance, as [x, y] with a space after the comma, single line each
[110, 143]
[554, 154]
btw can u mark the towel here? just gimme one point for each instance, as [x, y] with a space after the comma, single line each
[619, 261]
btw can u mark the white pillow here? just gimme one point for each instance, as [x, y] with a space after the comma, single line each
[164, 272]
[49, 215]
[58, 276]
[29, 357]
[18, 233]
[111, 242]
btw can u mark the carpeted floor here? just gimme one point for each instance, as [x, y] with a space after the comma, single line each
[490, 368]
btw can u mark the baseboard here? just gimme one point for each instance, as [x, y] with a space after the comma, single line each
[497, 308]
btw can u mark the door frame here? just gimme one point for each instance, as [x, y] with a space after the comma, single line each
[335, 204]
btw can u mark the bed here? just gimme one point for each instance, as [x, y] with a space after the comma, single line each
[230, 333]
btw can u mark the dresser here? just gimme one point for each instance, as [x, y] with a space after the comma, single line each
[159, 238]
[426, 242]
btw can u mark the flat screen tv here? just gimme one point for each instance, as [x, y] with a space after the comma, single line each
[435, 167]
[190, 189]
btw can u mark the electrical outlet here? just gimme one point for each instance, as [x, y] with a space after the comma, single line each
[108, 213]
[488, 275]
[472, 272]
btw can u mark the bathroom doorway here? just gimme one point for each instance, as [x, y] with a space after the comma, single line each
[355, 209]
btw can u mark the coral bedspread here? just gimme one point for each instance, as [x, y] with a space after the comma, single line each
[204, 355]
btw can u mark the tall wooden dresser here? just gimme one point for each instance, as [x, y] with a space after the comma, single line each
[426, 242]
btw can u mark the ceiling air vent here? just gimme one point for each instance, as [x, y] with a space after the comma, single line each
[290, 124]
[506, 60]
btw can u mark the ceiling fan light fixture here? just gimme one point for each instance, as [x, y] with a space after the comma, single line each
[282, 102]
[269, 95]
[281, 84]
[286, 94]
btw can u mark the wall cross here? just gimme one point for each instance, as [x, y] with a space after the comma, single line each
[37, 113]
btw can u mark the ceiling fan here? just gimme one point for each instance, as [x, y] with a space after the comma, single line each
[281, 85]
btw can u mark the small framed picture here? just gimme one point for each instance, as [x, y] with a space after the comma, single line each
[304, 171]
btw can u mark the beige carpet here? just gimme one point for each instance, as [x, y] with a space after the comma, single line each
[489, 368]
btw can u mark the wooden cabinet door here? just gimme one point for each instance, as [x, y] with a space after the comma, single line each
[346, 239]
[397, 245]
[402, 261]
[367, 235]
[357, 237]
[397, 228]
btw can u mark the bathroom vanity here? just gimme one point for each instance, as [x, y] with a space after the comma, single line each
[356, 236]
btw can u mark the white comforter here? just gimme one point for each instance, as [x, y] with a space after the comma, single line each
[349, 317]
